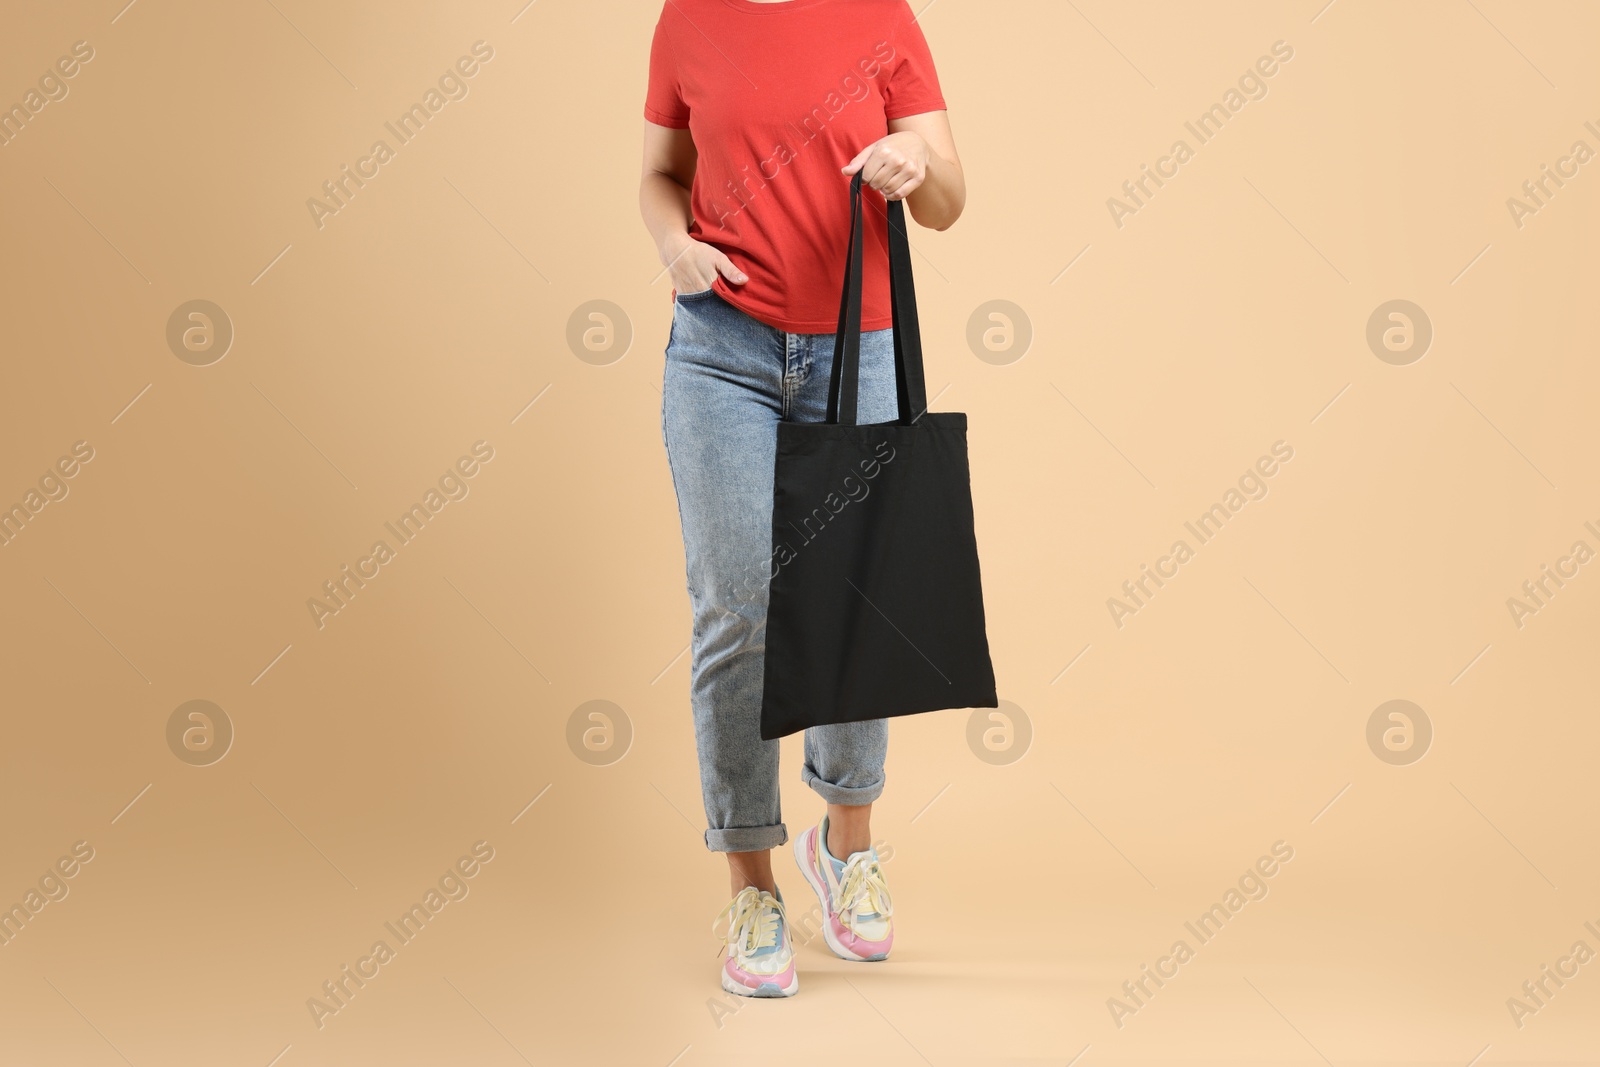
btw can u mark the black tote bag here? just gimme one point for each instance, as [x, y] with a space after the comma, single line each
[875, 605]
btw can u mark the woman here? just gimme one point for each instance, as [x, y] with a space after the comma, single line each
[758, 113]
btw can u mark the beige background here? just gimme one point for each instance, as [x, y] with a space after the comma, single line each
[1231, 712]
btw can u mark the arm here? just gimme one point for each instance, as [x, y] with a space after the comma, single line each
[917, 163]
[668, 172]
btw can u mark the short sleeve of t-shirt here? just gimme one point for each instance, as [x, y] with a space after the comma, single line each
[913, 84]
[663, 101]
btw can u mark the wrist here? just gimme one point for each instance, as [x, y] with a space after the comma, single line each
[672, 246]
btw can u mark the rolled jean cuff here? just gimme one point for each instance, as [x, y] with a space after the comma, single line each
[850, 796]
[747, 838]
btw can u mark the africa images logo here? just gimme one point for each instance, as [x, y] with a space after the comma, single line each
[452, 885]
[453, 484]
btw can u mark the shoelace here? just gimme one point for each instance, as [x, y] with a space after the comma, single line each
[863, 884]
[753, 918]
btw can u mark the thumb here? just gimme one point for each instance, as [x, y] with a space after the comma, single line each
[726, 268]
[858, 162]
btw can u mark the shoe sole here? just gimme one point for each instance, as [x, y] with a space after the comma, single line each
[766, 990]
[821, 891]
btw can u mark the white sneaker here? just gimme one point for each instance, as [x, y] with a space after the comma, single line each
[760, 960]
[854, 896]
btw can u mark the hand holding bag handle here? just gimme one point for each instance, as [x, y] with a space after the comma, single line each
[883, 615]
[910, 387]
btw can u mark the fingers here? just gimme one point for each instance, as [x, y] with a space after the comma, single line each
[860, 160]
[693, 284]
[726, 268]
[879, 166]
[888, 170]
[698, 278]
[902, 185]
[896, 165]
[897, 183]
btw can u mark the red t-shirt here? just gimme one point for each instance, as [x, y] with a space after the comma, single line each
[778, 97]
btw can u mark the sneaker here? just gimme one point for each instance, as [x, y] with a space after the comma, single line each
[760, 960]
[854, 897]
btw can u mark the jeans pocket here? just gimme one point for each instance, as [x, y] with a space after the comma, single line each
[701, 295]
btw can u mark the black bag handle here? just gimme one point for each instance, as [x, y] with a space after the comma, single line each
[910, 388]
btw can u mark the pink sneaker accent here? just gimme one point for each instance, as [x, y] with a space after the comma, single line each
[753, 982]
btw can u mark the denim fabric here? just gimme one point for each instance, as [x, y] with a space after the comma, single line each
[729, 380]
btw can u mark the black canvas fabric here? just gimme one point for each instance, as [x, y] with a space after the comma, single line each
[875, 606]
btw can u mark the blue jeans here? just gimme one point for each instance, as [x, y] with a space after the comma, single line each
[729, 380]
